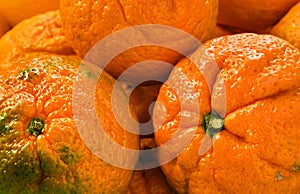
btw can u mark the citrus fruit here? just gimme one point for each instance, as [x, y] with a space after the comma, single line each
[14, 11]
[87, 22]
[41, 150]
[288, 27]
[150, 181]
[4, 27]
[41, 33]
[246, 139]
[221, 31]
[142, 98]
[253, 16]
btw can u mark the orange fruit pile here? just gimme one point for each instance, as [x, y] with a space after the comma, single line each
[37, 74]
[238, 94]
[257, 89]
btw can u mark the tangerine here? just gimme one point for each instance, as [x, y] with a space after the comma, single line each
[4, 27]
[87, 22]
[288, 27]
[41, 150]
[41, 33]
[246, 139]
[13, 10]
[253, 16]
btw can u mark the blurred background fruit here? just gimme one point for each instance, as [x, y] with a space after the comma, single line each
[14, 11]
[257, 150]
[40, 33]
[86, 22]
[221, 31]
[4, 27]
[150, 181]
[142, 98]
[252, 15]
[288, 27]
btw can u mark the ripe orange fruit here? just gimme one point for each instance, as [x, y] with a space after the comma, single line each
[150, 181]
[221, 31]
[87, 22]
[4, 27]
[288, 27]
[141, 97]
[41, 150]
[257, 149]
[252, 16]
[14, 11]
[41, 33]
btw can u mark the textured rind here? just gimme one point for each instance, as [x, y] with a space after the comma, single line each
[56, 161]
[261, 76]
[41, 33]
[97, 20]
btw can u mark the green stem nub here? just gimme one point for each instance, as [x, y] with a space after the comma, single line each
[36, 126]
[213, 123]
[28, 73]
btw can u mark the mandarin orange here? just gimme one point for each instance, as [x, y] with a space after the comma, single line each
[142, 98]
[41, 149]
[221, 31]
[288, 27]
[4, 27]
[87, 22]
[41, 33]
[15, 11]
[248, 121]
[253, 15]
[150, 181]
